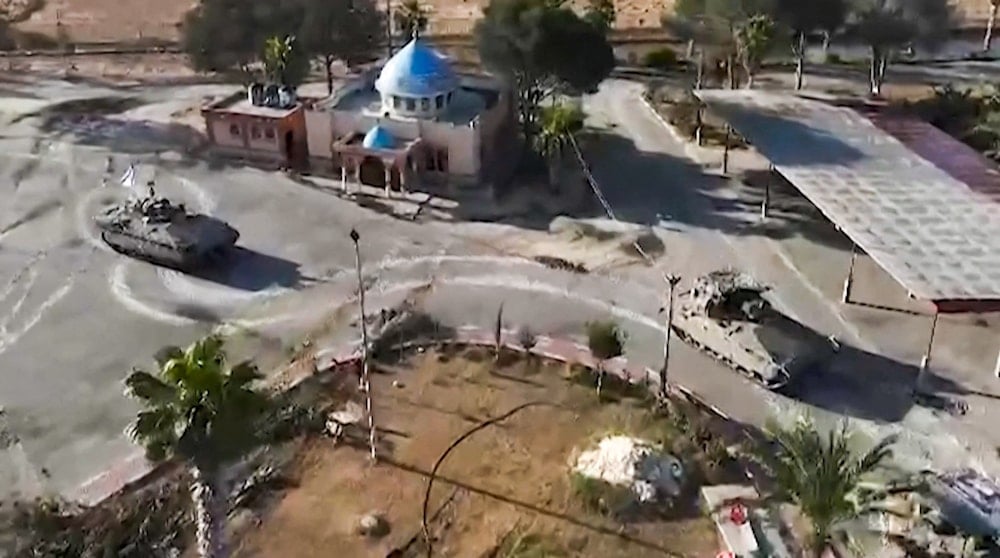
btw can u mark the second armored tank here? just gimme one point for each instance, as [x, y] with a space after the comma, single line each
[163, 233]
[726, 313]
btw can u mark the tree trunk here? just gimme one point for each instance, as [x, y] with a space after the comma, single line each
[882, 63]
[209, 514]
[749, 84]
[600, 377]
[690, 49]
[990, 23]
[730, 72]
[554, 164]
[874, 80]
[700, 76]
[800, 58]
[826, 44]
[328, 63]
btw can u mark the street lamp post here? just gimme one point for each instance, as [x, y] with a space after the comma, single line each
[366, 385]
[672, 281]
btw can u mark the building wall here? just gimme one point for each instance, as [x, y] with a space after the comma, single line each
[465, 145]
[319, 133]
[259, 138]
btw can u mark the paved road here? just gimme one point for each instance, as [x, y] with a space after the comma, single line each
[75, 317]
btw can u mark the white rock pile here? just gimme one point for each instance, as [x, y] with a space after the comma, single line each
[650, 473]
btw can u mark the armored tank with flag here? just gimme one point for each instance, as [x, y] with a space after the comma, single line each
[154, 229]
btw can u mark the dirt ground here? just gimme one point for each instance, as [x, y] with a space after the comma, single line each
[90, 21]
[508, 481]
[137, 20]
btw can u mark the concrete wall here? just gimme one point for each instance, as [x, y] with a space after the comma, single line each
[319, 133]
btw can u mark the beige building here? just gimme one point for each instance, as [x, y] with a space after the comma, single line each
[413, 121]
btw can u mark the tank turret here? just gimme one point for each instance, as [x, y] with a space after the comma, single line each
[726, 313]
[154, 229]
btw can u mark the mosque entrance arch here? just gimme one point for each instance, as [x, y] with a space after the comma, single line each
[372, 172]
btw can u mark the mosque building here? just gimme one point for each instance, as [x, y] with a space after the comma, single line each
[414, 121]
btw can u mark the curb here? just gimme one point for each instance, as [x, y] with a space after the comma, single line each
[693, 152]
[134, 470]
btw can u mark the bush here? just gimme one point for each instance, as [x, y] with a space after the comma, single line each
[661, 59]
[605, 339]
[833, 58]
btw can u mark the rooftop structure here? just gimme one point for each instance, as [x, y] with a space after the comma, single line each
[936, 235]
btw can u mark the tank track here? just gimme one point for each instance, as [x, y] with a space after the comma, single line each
[142, 256]
[752, 375]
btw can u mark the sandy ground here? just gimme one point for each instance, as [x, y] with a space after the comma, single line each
[513, 477]
[131, 20]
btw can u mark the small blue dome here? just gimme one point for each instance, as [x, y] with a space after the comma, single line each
[378, 138]
[416, 71]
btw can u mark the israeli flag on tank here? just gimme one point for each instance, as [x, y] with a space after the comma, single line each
[128, 179]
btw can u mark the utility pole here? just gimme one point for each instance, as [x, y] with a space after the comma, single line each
[388, 29]
[366, 385]
[672, 281]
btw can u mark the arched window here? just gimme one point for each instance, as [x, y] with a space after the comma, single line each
[396, 102]
[234, 129]
[425, 104]
[411, 105]
[439, 101]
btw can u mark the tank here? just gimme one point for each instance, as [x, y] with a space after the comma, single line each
[727, 314]
[163, 233]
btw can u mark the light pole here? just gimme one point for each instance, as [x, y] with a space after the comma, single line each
[672, 281]
[366, 385]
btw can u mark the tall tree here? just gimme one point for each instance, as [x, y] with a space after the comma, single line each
[888, 26]
[221, 35]
[991, 22]
[823, 475]
[283, 62]
[202, 411]
[411, 17]
[754, 38]
[716, 26]
[346, 30]
[541, 48]
[558, 123]
[804, 18]
[601, 14]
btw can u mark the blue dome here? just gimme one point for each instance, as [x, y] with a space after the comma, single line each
[416, 71]
[378, 138]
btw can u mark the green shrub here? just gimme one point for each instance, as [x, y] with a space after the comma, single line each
[833, 58]
[598, 496]
[661, 59]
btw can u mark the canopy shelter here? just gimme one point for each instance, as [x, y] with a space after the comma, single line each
[928, 212]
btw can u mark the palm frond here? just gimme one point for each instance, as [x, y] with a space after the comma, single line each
[243, 374]
[150, 389]
[168, 353]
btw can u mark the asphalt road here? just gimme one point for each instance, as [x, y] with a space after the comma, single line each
[74, 317]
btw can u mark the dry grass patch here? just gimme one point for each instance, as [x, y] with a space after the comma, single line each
[506, 491]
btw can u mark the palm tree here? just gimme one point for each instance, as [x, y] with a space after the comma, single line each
[823, 476]
[558, 124]
[411, 18]
[202, 411]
